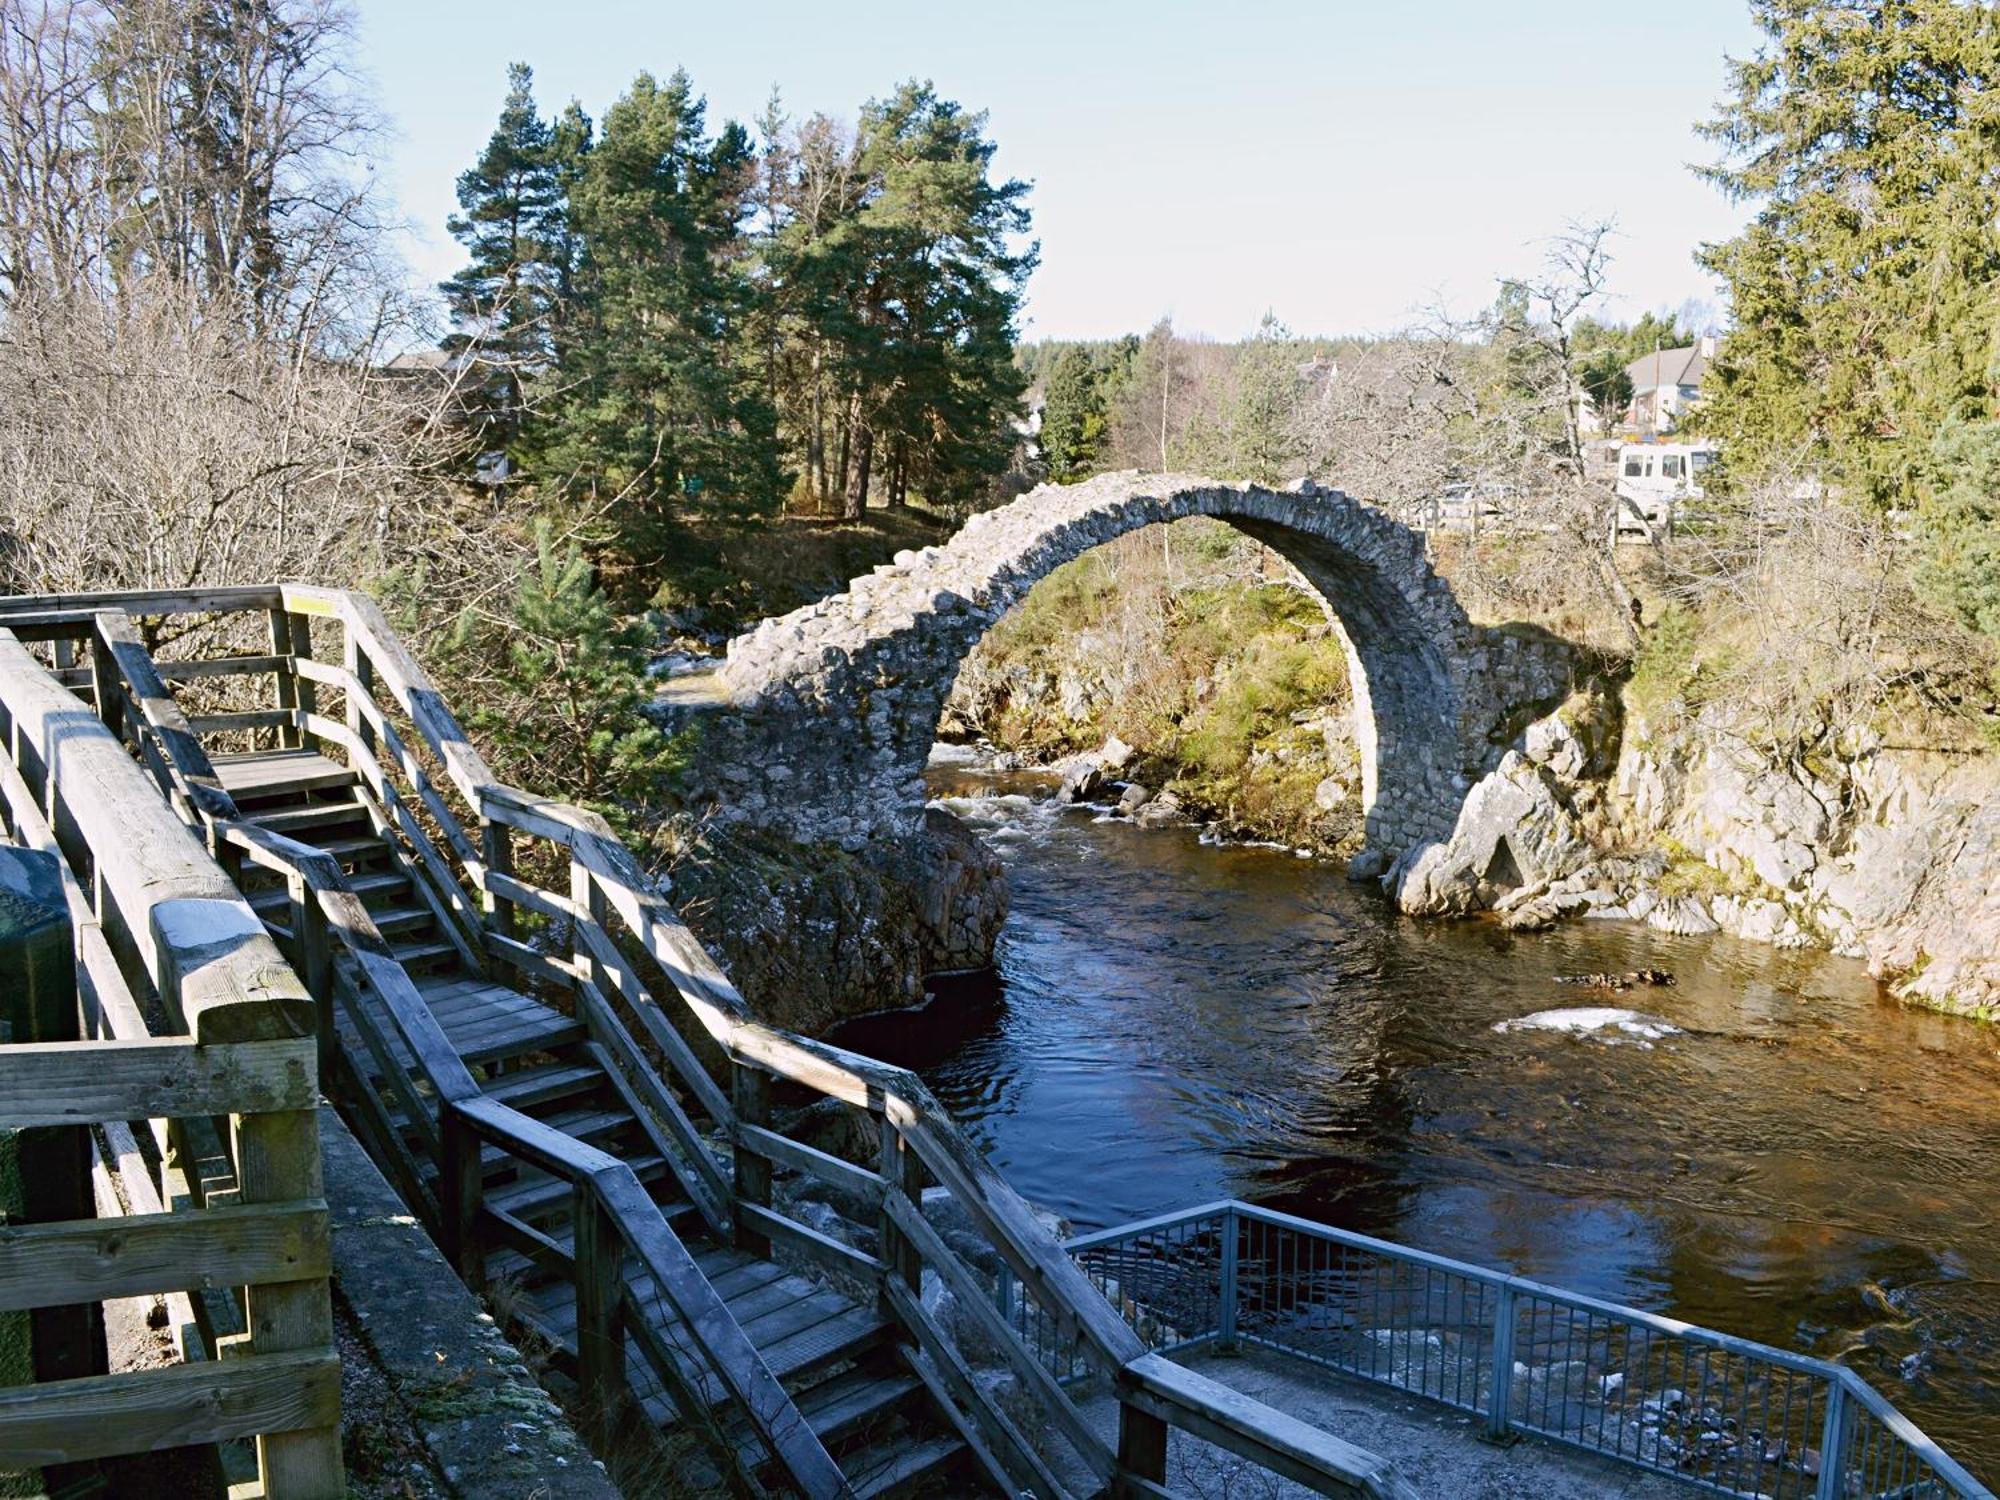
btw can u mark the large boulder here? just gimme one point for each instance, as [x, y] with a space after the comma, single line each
[1083, 780]
[1514, 830]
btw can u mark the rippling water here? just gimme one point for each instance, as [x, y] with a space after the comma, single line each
[1770, 1146]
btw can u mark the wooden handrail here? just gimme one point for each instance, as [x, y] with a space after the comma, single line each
[724, 1348]
[164, 908]
[1176, 1396]
[406, 681]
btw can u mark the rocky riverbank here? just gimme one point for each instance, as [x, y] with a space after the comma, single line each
[1885, 853]
[813, 934]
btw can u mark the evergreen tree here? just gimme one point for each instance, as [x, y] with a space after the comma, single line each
[1866, 134]
[899, 283]
[1152, 405]
[1961, 525]
[1262, 443]
[661, 413]
[561, 687]
[512, 220]
[1072, 416]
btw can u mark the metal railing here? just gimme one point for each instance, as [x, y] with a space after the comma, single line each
[1720, 1413]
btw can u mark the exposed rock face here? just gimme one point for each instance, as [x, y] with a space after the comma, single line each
[844, 697]
[1522, 828]
[1892, 856]
[1889, 855]
[813, 935]
[1514, 832]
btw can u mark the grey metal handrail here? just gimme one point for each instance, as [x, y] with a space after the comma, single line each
[1725, 1414]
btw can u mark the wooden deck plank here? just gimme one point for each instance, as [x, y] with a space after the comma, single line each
[271, 773]
[481, 1036]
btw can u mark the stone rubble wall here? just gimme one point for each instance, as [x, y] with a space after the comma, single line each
[820, 722]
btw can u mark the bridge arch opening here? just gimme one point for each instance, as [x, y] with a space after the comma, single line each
[1134, 622]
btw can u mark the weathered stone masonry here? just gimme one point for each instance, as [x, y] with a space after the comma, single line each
[820, 722]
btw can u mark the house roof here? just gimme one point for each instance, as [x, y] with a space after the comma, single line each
[1667, 367]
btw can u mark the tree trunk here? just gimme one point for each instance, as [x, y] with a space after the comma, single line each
[857, 484]
[816, 436]
[847, 427]
[899, 475]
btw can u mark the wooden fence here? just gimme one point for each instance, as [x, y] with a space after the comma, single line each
[158, 925]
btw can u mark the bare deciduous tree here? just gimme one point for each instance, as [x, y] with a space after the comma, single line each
[218, 145]
[195, 315]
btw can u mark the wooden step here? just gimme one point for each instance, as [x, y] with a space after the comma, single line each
[356, 848]
[304, 823]
[898, 1466]
[593, 1126]
[796, 1342]
[533, 1087]
[494, 1024]
[854, 1401]
[423, 954]
[375, 883]
[728, 1270]
[390, 921]
[266, 775]
[531, 1196]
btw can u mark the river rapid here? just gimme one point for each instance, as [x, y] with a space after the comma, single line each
[1770, 1146]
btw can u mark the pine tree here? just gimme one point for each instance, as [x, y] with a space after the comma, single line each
[512, 221]
[898, 281]
[937, 319]
[1861, 290]
[1073, 416]
[1960, 525]
[1262, 443]
[662, 411]
[561, 689]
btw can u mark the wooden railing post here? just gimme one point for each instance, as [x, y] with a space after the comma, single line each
[496, 847]
[902, 1178]
[105, 686]
[313, 952]
[1142, 1450]
[305, 691]
[38, 1003]
[588, 898]
[461, 1193]
[361, 677]
[600, 1331]
[287, 676]
[750, 1094]
[277, 1154]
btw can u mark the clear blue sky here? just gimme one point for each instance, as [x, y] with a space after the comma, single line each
[1338, 163]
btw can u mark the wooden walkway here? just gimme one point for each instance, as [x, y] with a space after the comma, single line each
[835, 1355]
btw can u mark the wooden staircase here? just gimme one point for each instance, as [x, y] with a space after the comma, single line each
[587, 1116]
[851, 1378]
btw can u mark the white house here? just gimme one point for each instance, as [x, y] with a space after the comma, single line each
[1666, 383]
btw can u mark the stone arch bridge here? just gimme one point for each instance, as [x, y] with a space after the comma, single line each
[820, 721]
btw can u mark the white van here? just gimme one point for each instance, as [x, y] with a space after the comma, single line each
[1653, 478]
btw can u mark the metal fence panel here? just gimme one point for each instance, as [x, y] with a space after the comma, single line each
[1719, 1413]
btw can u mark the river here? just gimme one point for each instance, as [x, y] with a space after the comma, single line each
[1770, 1146]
